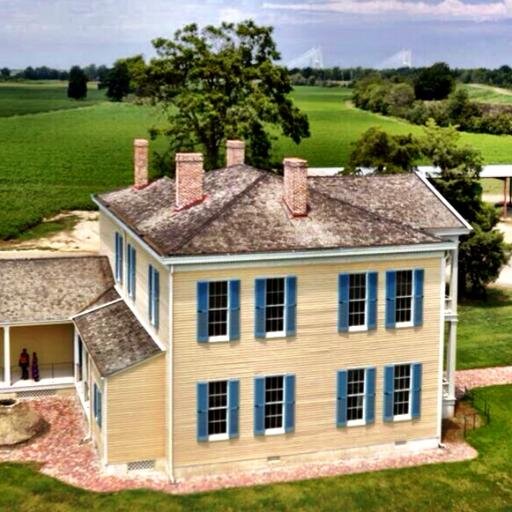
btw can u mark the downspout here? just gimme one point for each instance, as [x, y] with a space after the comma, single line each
[170, 380]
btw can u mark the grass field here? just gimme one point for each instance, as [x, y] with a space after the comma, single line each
[485, 331]
[54, 160]
[30, 98]
[483, 484]
[488, 94]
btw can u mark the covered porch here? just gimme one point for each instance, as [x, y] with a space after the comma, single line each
[53, 345]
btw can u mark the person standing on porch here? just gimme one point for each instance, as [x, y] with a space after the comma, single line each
[24, 363]
[35, 367]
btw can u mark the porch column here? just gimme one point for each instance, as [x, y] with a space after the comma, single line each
[452, 335]
[506, 188]
[7, 355]
[452, 357]
[75, 354]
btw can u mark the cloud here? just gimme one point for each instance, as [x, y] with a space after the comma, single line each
[451, 9]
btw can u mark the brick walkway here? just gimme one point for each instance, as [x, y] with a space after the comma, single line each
[63, 455]
[481, 377]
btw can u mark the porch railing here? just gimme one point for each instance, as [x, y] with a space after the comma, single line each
[50, 373]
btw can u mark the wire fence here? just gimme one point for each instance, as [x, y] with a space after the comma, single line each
[482, 411]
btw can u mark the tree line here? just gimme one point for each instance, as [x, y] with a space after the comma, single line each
[430, 94]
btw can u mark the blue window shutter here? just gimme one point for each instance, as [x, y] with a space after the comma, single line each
[372, 299]
[234, 310]
[260, 287]
[389, 373]
[341, 398]
[390, 299]
[234, 405]
[129, 268]
[343, 299]
[202, 411]
[370, 395]
[134, 270]
[419, 275]
[99, 418]
[121, 256]
[151, 292]
[259, 406]
[118, 256]
[291, 305]
[416, 390]
[202, 311]
[156, 291]
[289, 415]
[95, 400]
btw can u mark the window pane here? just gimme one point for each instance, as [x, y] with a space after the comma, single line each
[218, 308]
[274, 318]
[217, 407]
[355, 394]
[403, 312]
[402, 388]
[357, 300]
[274, 396]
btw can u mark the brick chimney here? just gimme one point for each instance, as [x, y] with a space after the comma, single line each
[140, 163]
[189, 179]
[235, 152]
[296, 186]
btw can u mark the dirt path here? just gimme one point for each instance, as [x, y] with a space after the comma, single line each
[81, 238]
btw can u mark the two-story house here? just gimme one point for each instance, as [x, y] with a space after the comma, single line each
[251, 318]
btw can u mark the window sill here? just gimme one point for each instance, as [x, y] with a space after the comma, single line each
[218, 437]
[218, 339]
[277, 334]
[274, 431]
[403, 325]
[358, 328]
[403, 417]
[356, 423]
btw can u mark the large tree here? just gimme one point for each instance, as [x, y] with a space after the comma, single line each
[482, 253]
[435, 82]
[223, 82]
[77, 85]
[118, 81]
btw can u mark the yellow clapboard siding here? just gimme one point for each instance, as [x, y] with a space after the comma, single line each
[136, 413]
[314, 356]
[143, 260]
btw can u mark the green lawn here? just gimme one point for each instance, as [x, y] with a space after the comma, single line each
[483, 484]
[29, 98]
[54, 160]
[485, 331]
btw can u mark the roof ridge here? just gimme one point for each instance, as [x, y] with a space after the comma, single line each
[376, 215]
[226, 207]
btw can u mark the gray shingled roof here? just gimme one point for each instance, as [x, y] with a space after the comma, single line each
[397, 196]
[114, 337]
[50, 289]
[244, 213]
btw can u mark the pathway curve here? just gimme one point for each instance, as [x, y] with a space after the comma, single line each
[481, 377]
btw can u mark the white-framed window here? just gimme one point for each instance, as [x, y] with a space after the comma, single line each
[218, 416]
[404, 313]
[358, 302]
[218, 311]
[275, 310]
[154, 295]
[274, 405]
[356, 396]
[402, 391]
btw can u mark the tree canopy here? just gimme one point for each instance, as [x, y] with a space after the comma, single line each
[435, 82]
[118, 81]
[223, 82]
[482, 253]
[77, 85]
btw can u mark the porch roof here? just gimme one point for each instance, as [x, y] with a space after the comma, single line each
[50, 289]
[114, 338]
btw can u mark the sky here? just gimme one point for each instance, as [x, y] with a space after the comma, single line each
[61, 33]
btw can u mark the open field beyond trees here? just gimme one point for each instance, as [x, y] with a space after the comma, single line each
[56, 156]
[488, 93]
[481, 484]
